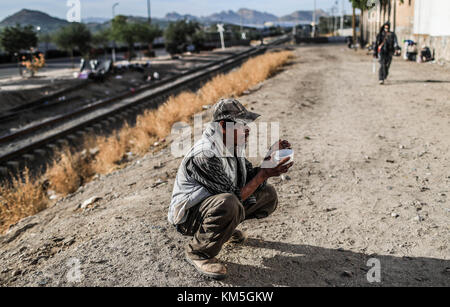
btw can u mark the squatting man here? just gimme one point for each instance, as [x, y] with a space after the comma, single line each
[217, 188]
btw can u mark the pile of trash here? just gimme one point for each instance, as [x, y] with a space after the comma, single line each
[94, 69]
[412, 53]
[98, 70]
[125, 66]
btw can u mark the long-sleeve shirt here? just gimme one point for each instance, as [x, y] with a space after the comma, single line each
[389, 44]
[209, 172]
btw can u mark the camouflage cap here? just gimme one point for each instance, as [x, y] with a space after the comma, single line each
[232, 109]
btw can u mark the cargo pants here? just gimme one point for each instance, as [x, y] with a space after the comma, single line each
[212, 222]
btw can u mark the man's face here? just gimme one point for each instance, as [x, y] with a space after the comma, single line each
[386, 28]
[239, 131]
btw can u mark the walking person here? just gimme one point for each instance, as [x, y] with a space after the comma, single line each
[385, 48]
[217, 188]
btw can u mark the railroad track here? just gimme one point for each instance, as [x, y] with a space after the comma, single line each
[63, 97]
[32, 145]
[42, 102]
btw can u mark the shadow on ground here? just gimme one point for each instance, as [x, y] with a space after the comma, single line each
[400, 82]
[304, 265]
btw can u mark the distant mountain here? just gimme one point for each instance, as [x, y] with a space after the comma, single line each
[95, 20]
[174, 16]
[302, 16]
[24, 17]
[48, 23]
[248, 17]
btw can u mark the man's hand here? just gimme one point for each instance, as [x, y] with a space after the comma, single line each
[264, 174]
[281, 144]
[276, 171]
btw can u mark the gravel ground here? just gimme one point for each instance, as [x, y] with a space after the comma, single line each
[371, 180]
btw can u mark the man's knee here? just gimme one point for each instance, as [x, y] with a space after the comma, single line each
[272, 198]
[229, 207]
[266, 203]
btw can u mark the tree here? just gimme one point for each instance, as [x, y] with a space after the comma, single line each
[124, 32]
[146, 33]
[364, 5]
[74, 36]
[199, 38]
[179, 34]
[357, 4]
[15, 39]
[101, 39]
[45, 38]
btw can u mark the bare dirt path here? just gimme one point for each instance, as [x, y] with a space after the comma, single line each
[371, 180]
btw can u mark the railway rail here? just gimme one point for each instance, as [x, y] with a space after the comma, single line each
[30, 146]
[42, 102]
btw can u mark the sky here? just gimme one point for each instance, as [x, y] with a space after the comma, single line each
[159, 8]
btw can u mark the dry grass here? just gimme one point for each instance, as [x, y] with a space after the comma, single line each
[20, 198]
[159, 122]
[69, 171]
[26, 197]
[137, 141]
[111, 152]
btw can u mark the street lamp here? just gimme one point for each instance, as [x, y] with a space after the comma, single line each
[149, 12]
[38, 30]
[114, 9]
[114, 43]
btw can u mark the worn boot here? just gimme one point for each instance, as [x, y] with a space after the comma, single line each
[238, 237]
[209, 267]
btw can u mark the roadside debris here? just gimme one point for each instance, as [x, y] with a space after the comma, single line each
[159, 182]
[89, 202]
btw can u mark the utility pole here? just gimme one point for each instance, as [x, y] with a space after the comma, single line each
[149, 12]
[342, 16]
[114, 43]
[243, 36]
[314, 20]
[240, 15]
[354, 26]
[395, 15]
[335, 19]
[330, 20]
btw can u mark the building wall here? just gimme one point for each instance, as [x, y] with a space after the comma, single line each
[432, 17]
[404, 19]
[432, 26]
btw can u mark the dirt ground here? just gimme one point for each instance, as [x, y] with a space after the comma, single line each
[371, 180]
